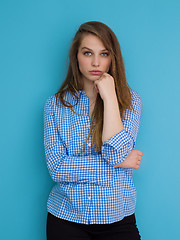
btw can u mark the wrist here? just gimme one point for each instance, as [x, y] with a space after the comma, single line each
[111, 99]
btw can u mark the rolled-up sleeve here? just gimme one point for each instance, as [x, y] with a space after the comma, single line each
[66, 168]
[117, 148]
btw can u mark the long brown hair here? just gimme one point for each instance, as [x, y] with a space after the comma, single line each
[73, 82]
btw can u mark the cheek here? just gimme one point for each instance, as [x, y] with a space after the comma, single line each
[108, 63]
[82, 62]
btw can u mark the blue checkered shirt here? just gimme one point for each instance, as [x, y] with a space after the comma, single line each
[88, 189]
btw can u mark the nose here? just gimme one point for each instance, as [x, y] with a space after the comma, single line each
[95, 61]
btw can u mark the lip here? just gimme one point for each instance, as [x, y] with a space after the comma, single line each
[95, 72]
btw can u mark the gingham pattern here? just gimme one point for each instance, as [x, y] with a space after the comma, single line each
[88, 189]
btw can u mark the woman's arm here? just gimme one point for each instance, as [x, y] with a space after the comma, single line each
[119, 135]
[66, 168]
[112, 123]
[112, 126]
[119, 144]
[133, 160]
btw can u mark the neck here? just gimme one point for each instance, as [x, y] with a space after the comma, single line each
[90, 91]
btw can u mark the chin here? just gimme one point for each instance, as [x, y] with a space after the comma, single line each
[95, 77]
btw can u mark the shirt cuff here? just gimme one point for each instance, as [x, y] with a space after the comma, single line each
[116, 149]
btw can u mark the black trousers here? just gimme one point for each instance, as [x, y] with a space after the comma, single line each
[60, 229]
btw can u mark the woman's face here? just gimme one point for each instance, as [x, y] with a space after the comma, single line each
[93, 58]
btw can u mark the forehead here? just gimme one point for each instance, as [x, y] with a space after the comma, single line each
[91, 41]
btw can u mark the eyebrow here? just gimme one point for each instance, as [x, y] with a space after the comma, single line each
[92, 50]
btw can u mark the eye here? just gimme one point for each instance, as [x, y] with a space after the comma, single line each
[105, 54]
[87, 53]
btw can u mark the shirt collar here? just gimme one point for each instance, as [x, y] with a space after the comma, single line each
[82, 106]
[81, 93]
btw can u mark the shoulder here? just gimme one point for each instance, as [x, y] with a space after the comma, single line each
[135, 95]
[136, 98]
[50, 101]
[54, 105]
[50, 105]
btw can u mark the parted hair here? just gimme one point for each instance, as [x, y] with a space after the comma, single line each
[73, 81]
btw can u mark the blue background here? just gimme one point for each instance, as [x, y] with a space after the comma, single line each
[34, 43]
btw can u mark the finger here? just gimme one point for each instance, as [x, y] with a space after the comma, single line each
[140, 153]
[105, 75]
[137, 167]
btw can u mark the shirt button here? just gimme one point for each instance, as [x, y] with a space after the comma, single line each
[89, 197]
[89, 144]
[88, 125]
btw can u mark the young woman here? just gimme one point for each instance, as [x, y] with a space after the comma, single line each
[90, 129]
